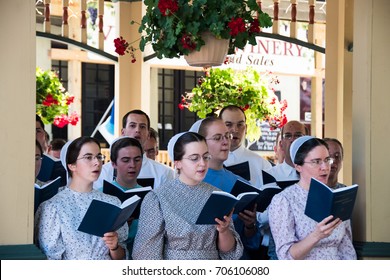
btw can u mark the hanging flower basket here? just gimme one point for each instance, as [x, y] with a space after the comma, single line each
[52, 100]
[213, 53]
[244, 88]
[176, 27]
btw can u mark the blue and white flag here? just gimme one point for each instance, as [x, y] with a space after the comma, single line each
[107, 129]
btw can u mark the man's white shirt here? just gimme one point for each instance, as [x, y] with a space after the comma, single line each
[284, 172]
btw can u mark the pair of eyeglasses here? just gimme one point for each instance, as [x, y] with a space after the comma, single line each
[290, 136]
[220, 137]
[38, 158]
[196, 158]
[318, 162]
[90, 158]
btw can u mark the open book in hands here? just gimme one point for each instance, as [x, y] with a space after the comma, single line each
[269, 179]
[221, 203]
[102, 217]
[45, 192]
[241, 169]
[322, 201]
[51, 168]
[123, 195]
[265, 195]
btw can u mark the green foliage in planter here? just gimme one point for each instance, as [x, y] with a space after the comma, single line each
[244, 88]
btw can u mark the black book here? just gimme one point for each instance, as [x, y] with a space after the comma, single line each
[45, 192]
[323, 201]
[146, 182]
[220, 204]
[51, 168]
[265, 195]
[102, 217]
[269, 179]
[241, 169]
[112, 189]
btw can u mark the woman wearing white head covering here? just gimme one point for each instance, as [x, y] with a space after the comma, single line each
[57, 219]
[167, 228]
[296, 235]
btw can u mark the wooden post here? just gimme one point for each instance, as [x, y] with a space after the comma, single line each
[293, 25]
[46, 22]
[100, 13]
[310, 35]
[275, 25]
[65, 26]
[83, 23]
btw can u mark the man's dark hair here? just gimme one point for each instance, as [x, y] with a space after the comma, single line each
[137, 112]
[153, 133]
[57, 144]
[232, 108]
[337, 142]
[122, 143]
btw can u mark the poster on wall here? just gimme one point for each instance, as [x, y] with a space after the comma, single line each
[267, 139]
[305, 99]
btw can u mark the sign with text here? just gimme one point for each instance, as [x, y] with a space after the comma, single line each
[275, 56]
[267, 139]
[272, 55]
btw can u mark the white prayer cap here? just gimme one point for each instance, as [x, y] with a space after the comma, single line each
[297, 144]
[63, 153]
[195, 127]
[115, 140]
[171, 144]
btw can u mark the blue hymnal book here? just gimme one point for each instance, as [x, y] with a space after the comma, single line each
[265, 195]
[146, 182]
[123, 195]
[269, 179]
[241, 169]
[51, 168]
[45, 192]
[323, 201]
[221, 204]
[102, 217]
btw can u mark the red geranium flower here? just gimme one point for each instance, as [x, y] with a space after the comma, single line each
[49, 100]
[187, 42]
[168, 7]
[61, 121]
[121, 45]
[236, 25]
[73, 119]
[69, 100]
[254, 27]
[246, 107]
